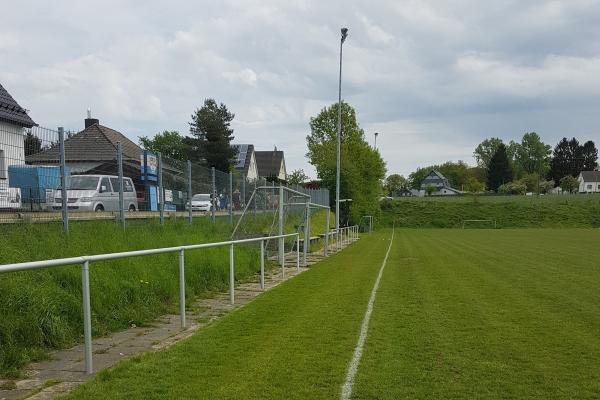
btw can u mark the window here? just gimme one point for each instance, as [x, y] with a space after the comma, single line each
[105, 183]
[127, 185]
[2, 165]
[589, 187]
[82, 182]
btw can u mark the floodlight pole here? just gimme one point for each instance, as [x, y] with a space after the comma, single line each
[339, 138]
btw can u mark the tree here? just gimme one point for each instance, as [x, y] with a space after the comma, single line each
[169, 143]
[532, 155]
[361, 167]
[569, 183]
[485, 151]
[499, 169]
[394, 183]
[474, 186]
[567, 159]
[297, 177]
[429, 189]
[211, 126]
[589, 153]
[33, 144]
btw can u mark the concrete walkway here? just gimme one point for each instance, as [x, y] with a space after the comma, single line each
[66, 369]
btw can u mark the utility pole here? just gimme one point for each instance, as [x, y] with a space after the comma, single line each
[339, 137]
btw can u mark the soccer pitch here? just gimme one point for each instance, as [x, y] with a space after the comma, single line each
[457, 314]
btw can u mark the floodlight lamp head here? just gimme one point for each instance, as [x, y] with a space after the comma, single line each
[344, 34]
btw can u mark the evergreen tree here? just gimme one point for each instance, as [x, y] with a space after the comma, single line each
[211, 127]
[499, 169]
[590, 156]
[567, 159]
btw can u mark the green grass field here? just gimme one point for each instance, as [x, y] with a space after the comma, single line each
[556, 211]
[459, 314]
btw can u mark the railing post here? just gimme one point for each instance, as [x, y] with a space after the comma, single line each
[298, 251]
[63, 179]
[327, 232]
[262, 264]
[281, 245]
[182, 287]
[231, 197]
[214, 195]
[121, 197]
[231, 275]
[306, 234]
[189, 190]
[161, 193]
[87, 315]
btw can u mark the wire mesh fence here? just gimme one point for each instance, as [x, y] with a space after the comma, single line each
[52, 175]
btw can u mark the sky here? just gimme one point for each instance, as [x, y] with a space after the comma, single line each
[434, 78]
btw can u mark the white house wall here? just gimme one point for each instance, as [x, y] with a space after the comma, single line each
[12, 146]
[583, 186]
[282, 172]
[252, 168]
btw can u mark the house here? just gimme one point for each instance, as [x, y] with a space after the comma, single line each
[589, 181]
[440, 183]
[14, 121]
[245, 162]
[93, 151]
[271, 165]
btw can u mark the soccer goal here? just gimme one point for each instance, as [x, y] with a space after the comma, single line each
[479, 223]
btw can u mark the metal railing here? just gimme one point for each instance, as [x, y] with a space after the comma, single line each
[85, 261]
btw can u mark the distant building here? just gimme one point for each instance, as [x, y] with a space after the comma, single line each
[440, 183]
[271, 165]
[589, 181]
[14, 120]
[245, 162]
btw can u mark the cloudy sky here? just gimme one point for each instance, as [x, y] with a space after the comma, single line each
[434, 77]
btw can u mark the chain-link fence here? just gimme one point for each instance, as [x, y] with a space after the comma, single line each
[52, 175]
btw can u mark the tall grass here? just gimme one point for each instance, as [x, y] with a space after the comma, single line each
[41, 309]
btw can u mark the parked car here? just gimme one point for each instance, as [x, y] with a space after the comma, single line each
[97, 193]
[10, 198]
[200, 202]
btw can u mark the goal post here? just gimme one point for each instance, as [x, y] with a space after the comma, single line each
[474, 223]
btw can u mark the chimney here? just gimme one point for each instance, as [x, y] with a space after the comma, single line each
[89, 121]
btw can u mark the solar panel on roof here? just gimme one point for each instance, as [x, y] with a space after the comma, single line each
[240, 161]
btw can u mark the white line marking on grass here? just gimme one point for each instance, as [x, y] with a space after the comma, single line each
[353, 366]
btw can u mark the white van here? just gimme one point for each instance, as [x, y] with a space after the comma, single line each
[97, 193]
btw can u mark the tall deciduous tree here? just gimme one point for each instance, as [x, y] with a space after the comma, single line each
[532, 155]
[297, 177]
[169, 143]
[394, 183]
[485, 151]
[499, 169]
[211, 126]
[362, 167]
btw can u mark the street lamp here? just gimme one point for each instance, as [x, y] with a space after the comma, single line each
[339, 137]
[376, 134]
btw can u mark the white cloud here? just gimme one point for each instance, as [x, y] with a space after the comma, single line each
[245, 76]
[434, 77]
